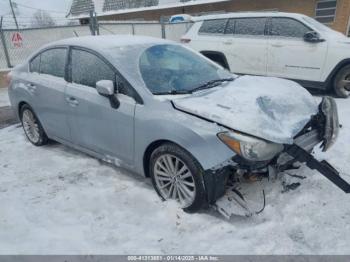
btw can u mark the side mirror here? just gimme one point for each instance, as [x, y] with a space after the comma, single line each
[313, 37]
[106, 88]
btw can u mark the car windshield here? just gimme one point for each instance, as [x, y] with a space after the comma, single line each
[173, 69]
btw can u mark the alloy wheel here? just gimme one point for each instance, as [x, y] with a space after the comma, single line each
[174, 180]
[30, 126]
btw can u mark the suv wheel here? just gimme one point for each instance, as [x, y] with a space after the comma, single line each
[32, 127]
[342, 82]
[177, 175]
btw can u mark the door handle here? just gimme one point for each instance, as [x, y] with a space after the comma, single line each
[31, 87]
[228, 42]
[72, 101]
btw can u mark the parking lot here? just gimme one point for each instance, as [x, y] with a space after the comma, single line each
[58, 201]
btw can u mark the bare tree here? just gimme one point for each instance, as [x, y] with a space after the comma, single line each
[42, 19]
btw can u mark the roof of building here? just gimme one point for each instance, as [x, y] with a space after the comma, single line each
[81, 8]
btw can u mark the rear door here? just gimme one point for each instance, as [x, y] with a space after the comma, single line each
[289, 56]
[245, 45]
[46, 83]
[95, 125]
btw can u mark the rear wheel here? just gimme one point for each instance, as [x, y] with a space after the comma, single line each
[177, 175]
[342, 82]
[32, 127]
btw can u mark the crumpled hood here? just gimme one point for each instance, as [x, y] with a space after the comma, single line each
[270, 108]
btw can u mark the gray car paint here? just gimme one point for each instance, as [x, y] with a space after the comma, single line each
[122, 135]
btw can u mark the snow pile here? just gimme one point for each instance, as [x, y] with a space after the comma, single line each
[57, 201]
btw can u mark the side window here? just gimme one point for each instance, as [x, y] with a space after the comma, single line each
[230, 28]
[288, 27]
[250, 26]
[53, 62]
[216, 26]
[34, 65]
[87, 69]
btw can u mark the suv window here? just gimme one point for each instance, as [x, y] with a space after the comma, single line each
[288, 27]
[53, 62]
[34, 65]
[87, 69]
[250, 26]
[216, 26]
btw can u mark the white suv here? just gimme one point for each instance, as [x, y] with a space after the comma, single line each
[288, 45]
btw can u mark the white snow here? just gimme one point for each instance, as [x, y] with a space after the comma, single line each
[271, 108]
[4, 98]
[55, 200]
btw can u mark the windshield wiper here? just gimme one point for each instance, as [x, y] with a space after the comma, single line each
[211, 83]
[173, 92]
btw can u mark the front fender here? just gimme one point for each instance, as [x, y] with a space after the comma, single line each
[195, 135]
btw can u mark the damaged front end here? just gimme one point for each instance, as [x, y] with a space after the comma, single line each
[230, 187]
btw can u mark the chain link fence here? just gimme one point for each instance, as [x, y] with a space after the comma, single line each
[19, 44]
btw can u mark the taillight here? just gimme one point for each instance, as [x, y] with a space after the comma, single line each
[185, 40]
[8, 79]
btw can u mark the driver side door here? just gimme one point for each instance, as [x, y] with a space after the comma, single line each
[94, 124]
[289, 56]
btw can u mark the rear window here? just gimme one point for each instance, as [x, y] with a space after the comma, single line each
[35, 64]
[53, 62]
[216, 26]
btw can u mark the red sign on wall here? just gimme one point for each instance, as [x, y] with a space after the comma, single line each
[17, 39]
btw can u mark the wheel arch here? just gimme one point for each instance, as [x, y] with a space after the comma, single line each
[334, 72]
[218, 55]
[149, 150]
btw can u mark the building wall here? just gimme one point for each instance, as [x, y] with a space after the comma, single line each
[306, 7]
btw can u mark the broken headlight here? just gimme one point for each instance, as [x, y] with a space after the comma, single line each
[250, 148]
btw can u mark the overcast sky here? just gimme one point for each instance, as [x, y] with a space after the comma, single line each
[60, 7]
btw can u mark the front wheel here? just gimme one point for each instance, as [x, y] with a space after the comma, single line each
[176, 174]
[342, 82]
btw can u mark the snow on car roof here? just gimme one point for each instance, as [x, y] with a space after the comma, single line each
[245, 14]
[108, 41]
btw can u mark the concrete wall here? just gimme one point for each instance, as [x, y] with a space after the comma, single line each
[307, 7]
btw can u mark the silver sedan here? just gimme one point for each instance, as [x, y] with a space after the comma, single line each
[165, 112]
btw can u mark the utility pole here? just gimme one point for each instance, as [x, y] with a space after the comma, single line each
[13, 13]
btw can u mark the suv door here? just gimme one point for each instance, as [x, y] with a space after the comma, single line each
[94, 124]
[289, 55]
[246, 45]
[46, 83]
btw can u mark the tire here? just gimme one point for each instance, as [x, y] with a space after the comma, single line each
[32, 127]
[342, 82]
[193, 176]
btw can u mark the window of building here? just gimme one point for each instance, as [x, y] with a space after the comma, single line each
[287, 27]
[250, 26]
[87, 69]
[216, 26]
[53, 62]
[326, 10]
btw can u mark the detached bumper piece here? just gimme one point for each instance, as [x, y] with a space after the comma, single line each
[329, 110]
[323, 166]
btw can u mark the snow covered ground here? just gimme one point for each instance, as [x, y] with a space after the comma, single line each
[55, 200]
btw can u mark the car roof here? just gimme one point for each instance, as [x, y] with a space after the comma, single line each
[100, 43]
[247, 14]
